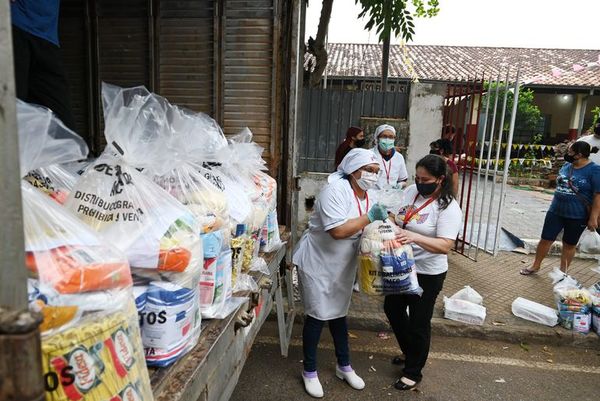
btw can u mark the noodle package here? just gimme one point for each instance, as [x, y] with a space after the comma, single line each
[385, 266]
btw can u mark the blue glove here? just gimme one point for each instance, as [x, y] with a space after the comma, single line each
[377, 212]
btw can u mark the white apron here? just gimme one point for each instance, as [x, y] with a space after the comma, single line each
[327, 267]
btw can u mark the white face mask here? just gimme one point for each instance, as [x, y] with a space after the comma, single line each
[367, 180]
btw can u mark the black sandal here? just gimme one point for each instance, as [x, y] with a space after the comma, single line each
[400, 385]
[398, 360]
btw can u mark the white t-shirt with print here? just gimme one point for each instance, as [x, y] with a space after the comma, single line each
[431, 222]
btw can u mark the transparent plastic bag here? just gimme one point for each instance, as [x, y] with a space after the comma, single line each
[44, 140]
[55, 181]
[392, 198]
[468, 294]
[385, 266]
[534, 312]
[270, 240]
[82, 287]
[589, 242]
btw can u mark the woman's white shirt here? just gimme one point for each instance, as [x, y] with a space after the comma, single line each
[433, 222]
[392, 171]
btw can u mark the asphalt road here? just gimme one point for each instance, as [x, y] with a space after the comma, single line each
[458, 369]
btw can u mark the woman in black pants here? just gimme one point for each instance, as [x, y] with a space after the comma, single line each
[431, 221]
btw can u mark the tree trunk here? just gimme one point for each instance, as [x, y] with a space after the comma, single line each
[319, 50]
[385, 64]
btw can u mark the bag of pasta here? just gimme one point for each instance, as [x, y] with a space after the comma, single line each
[81, 285]
[385, 266]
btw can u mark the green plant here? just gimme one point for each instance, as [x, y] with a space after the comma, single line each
[595, 118]
[535, 140]
[528, 113]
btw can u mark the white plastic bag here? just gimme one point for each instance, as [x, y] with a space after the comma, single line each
[390, 197]
[468, 294]
[534, 312]
[589, 242]
[80, 284]
[385, 266]
[464, 311]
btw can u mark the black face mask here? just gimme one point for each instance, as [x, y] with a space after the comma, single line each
[569, 158]
[426, 189]
[435, 152]
[360, 142]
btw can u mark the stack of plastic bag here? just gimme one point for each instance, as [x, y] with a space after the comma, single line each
[207, 203]
[574, 303]
[465, 306]
[158, 234]
[81, 285]
[385, 266]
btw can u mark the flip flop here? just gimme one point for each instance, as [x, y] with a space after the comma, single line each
[528, 272]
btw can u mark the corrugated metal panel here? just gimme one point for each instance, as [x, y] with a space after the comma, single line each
[248, 69]
[74, 52]
[186, 53]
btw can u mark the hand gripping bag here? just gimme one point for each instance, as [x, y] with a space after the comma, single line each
[91, 344]
[385, 266]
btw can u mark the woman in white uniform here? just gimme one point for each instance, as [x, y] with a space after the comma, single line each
[391, 162]
[431, 221]
[327, 261]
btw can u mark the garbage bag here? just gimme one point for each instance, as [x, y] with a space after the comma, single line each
[589, 242]
[534, 312]
[385, 266]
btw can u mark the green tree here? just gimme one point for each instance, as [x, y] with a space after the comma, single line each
[528, 113]
[385, 16]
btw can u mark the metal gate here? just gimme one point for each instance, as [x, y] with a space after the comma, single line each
[328, 112]
[475, 119]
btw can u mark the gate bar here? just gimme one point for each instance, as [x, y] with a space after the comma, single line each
[507, 159]
[497, 159]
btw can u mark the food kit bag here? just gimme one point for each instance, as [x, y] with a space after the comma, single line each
[575, 309]
[159, 235]
[464, 311]
[534, 312]
[54, 180]
[91, 343]
[385, 266]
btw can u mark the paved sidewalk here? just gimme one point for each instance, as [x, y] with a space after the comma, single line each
[499, 282]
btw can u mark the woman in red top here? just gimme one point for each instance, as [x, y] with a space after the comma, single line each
[443, 147]
[355, 138]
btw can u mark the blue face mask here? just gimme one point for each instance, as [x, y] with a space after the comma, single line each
[386, 144]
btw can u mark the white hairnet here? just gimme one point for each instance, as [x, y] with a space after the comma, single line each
[354, 160]
[384, 127]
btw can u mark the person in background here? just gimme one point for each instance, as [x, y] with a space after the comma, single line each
[449, 132]
[40, 77]
[355, 138]
[391, 162]
[430, 222]
[594, 142]
[327, 261]
[575, 205]
[443, 147]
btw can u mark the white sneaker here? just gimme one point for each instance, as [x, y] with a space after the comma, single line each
[351, 378]
[313, 386]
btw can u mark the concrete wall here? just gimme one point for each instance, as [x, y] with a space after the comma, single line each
[560, 107]
[425, 116]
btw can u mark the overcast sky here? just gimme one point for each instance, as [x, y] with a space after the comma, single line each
[502, 23]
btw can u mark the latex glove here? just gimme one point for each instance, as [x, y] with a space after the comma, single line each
[377, 212]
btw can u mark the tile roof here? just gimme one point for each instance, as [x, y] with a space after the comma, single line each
[452, 63]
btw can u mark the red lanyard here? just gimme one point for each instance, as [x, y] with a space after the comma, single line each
[360, 212]
[387, 170]
[412, 211]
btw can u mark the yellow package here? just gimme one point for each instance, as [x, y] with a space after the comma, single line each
[99, 360]
[369, 276]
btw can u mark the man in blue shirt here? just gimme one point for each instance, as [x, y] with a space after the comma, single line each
[39, 74]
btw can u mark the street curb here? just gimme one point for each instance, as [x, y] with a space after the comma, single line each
[553, 336]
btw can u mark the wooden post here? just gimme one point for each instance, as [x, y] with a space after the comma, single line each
[385, 63]
[20, 361]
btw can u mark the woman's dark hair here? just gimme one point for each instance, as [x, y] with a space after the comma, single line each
[437, 167]
[445, 146]
[582, 148]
